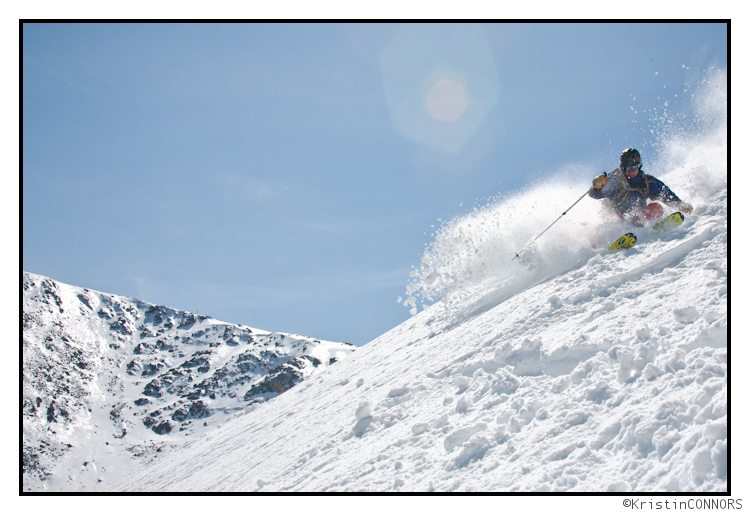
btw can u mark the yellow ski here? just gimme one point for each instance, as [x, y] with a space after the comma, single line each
[669, 222]
[624, 242]
[628, 240]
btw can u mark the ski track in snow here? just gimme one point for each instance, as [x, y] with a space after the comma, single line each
[610, 377]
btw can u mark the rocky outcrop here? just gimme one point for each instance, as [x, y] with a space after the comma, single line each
[135, 371]
[282, 378]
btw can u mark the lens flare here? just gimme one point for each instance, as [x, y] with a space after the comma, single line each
[447, 100]
[440, 83]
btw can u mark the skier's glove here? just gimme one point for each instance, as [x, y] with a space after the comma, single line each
[600, 181]
[685, 208]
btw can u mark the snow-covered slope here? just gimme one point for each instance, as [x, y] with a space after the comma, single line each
[573, 370]
[110, 382]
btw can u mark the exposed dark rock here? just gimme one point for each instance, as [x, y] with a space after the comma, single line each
[163, 345]
[152, 389]
[51, 413]
[116, 413]
[134, 367]
[198, 359]
[122, 325]
[50, 291]
[282, 378]
[151, 369]
[85, 300]
[163, 428]
[194, 395]
[29, 460]
[188, 319]
[28, 406]
[199, 410]
[143, 348]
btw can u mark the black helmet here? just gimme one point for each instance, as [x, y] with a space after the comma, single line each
[630, 157]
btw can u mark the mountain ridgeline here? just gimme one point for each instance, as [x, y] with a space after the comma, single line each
[133, 377]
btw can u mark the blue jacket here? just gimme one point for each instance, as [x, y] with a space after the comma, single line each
[628, 196]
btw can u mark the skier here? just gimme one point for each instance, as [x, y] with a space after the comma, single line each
[626, 189]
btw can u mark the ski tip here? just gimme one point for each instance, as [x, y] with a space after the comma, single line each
[673, 220]
[625, 241]
[677, 217]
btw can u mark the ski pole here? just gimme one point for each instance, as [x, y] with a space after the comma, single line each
[550, 225]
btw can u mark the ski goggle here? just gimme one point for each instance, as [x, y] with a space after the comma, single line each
[633, 168]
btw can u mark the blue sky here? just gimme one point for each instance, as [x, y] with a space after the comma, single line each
[286, 176]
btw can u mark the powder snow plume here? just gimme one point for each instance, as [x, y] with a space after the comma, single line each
[472, 255]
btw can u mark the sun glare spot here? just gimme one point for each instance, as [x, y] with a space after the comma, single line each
[447, 101]
[440, 83]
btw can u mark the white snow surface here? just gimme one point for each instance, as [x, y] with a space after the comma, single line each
[573, 370]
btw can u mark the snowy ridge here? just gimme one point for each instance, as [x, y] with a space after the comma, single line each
[574, 370]
[110, 381]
